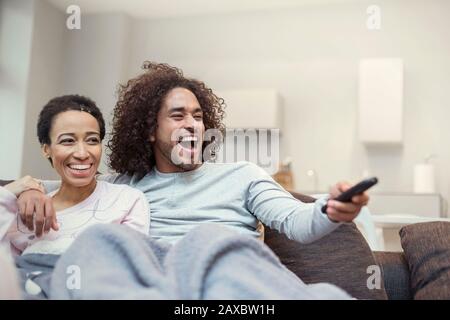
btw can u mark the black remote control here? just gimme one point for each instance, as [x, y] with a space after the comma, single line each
[353, 191]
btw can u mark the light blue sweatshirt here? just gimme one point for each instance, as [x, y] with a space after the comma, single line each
[236, 195]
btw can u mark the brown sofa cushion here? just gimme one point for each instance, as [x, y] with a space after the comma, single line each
[427, 250]
[395, 274]
[5, 182]
[342, 258]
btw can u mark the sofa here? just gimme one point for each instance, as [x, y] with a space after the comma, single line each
[344, 258]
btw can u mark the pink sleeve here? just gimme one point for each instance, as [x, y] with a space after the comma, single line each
[9, 288]
[138, 216]
[8, 211]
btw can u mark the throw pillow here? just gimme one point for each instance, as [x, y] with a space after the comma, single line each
[427, 250]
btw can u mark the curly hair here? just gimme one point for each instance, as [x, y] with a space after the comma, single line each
[135, 115]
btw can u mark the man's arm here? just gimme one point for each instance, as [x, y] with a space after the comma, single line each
[279, 210]
[303, 222]
[52, 185]
[115, 178]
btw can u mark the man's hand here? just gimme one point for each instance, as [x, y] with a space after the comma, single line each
[36, 210]
[345, 211]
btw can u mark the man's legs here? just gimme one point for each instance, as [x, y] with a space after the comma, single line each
[210, 262]
[213, 262]
[111, 262]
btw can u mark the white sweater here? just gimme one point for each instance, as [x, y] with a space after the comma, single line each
[235, 195]
[108, 203]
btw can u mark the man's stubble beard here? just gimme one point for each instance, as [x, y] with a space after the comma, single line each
[166, 151]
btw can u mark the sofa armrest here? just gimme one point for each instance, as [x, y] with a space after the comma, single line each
[394, 268]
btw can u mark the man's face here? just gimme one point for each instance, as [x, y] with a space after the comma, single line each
[177, 141]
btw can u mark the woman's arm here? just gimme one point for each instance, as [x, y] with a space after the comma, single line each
[8, 211]
[24, 184]
[9, 282]
[34, 206]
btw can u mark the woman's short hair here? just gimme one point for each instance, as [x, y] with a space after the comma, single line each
[62, 104]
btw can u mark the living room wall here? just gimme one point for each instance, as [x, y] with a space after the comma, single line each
[45, 79]
[16, 22]
[311, 55]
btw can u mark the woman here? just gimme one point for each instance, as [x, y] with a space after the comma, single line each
[70, 130]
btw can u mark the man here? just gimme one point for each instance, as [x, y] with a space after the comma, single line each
[157, 141]
[157, 146]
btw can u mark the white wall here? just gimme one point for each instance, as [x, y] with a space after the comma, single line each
[310, 55]
[44, 82]
[91, 61]
[96, 60]
[16, 22]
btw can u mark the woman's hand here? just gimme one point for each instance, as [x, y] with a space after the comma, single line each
[37, 212]
[24, 184]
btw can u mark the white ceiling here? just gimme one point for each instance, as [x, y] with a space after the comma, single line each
[177, 8]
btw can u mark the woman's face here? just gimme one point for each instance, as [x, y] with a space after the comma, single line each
[75, 147]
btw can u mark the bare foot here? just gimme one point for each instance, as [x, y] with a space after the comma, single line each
[9, 284]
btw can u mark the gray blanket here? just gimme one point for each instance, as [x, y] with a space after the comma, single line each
[210, 262]
[35, 271]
